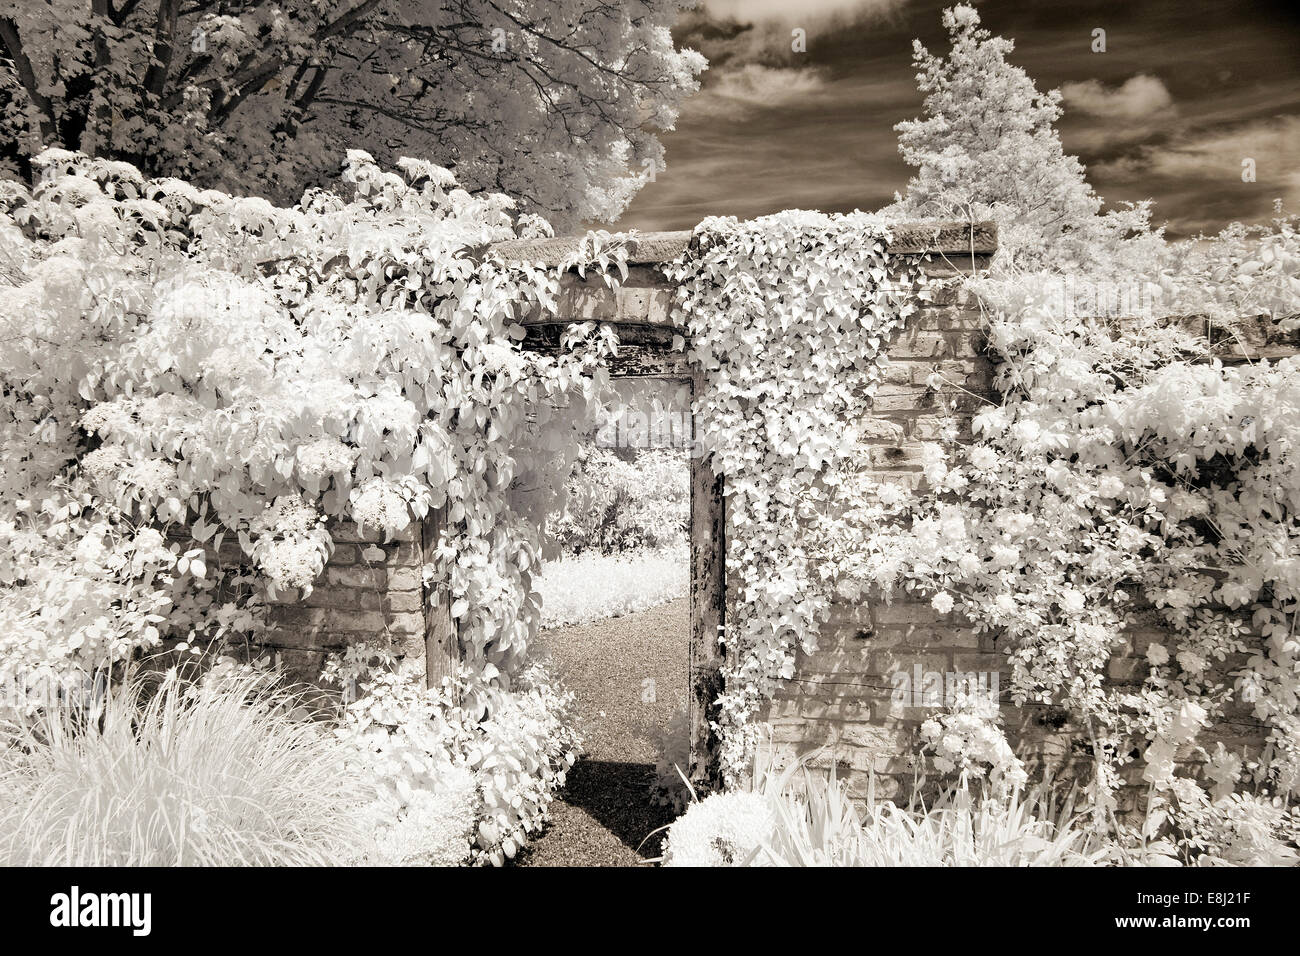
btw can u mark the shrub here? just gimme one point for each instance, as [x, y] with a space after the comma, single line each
[435, 827]
[617, 504]
[238, 370]
[798, 817]
[723, 829]
[221, 772]
[591, 587]
[416, 747]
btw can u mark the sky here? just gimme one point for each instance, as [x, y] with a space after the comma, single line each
[1184, 91]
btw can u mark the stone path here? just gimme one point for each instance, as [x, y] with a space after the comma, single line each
[629, 675]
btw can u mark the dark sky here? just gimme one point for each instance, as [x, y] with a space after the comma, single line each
[1184, 92]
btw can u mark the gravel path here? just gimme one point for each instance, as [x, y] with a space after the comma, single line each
[629, 675]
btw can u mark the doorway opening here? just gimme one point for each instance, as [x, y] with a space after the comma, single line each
[620, 615]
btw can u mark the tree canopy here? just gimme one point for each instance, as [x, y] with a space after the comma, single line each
[987, 148]
[556, 104]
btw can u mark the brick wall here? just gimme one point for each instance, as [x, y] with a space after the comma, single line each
[370, 589]
[841, 701]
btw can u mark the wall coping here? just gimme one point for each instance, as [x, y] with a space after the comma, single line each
[652, 248]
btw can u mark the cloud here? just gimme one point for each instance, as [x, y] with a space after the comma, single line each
[753, 86]
[1200, 170]
[786, 12]
[731, 33]
[1138, 97]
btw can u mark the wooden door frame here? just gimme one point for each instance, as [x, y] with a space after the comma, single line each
[708, 611]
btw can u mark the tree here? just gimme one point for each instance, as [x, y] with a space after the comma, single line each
[987, 148]
[556, 103]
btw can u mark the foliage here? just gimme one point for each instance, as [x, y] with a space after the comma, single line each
[220, 772]
[415, 745]
[1239, 829]
[798, 817]
[592, 587]
[554, 103]
[435, 828]
[1118, 473]
[723, 829]
[1242, 272]
[968, 737]
[789, 317]
[620, 504]
[83, 586]
[240, 369]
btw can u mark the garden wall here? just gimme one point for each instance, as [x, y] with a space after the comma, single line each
[370, 589]
[843, 700]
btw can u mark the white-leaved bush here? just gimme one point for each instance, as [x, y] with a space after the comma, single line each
[1122, 475]
[243, 370]
[449, 787]
[186, 366]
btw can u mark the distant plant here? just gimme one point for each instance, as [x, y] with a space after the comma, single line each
[628, 501]
[592, 587]
[1009, 166]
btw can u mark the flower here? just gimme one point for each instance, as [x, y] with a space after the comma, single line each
[723, 829]
[324, 456]
[1005, 557]
[942, 602]
[377, 504]
[1157, 654]
[1110, 487]
[983, 457]
[1072, 601]
[890, 493]
[103, 464]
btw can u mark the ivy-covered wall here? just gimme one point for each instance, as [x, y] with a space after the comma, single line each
[861, 698]
[843, 697]
[371, 589]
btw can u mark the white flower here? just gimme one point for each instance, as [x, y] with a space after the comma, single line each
[377, 504]
[1072, 601]
[983, 457]
[324, 456]
[292, 563]
[153, 476]
[723, 829]
[103, 464]
[1110, 487]
[1026, 432]
[890, 493]
[1005, 557]
[942, 602]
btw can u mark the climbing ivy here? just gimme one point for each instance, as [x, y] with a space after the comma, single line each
[790, 316]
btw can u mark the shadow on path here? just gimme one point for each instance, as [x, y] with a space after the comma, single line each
[616, 795]
[606, 810]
